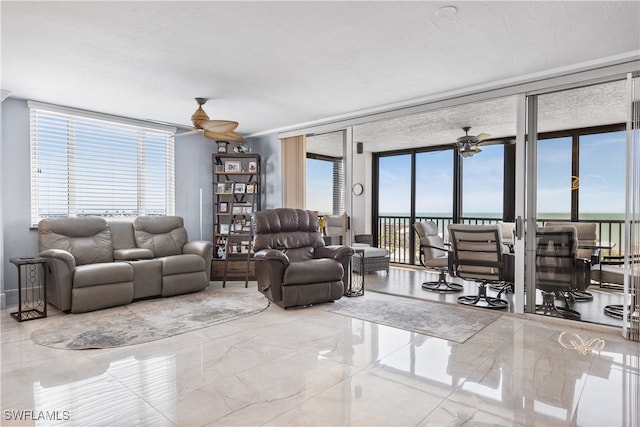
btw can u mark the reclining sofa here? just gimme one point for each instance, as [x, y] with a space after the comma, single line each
[93, 263]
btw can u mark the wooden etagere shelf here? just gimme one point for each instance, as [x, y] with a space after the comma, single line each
[236, 195]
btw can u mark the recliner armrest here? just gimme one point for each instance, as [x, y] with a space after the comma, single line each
[60, 254]
[272, 255]
[60, 267]
[198, 247]
[335, 252]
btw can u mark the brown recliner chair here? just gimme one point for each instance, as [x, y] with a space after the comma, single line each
[293, 266]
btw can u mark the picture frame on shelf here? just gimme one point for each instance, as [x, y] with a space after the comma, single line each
[252, 167]
[224, 228]
[251, 188]
[224, 187]
[240, 188]
[224, 207]
[232, 166]
[218, 168]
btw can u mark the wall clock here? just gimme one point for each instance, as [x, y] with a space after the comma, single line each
[357, 189]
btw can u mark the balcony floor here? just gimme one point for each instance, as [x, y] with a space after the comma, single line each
[407, 281]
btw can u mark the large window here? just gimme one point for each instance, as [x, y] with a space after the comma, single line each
[394, 186]
[602, 176]
[483, 183]
[434, 184]
[325, 185]
[86, 166]
[555, 179]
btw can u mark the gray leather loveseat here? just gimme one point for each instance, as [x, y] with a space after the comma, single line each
[93, 263]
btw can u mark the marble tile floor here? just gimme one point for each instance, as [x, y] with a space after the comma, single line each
[306, 366]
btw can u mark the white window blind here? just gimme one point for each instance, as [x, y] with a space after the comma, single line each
[84, 166]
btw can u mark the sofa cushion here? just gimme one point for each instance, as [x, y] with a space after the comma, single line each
[180, 264]
[162, 235]
[88, 239]
[102, 274]
[313, 271]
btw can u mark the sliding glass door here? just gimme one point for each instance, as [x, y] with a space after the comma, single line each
[577, 201]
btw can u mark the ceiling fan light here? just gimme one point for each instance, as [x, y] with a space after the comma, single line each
[468, 150]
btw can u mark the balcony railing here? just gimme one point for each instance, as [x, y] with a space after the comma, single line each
[394, 233]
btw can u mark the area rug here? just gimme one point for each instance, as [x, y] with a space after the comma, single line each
[446, 321]
[149, 320]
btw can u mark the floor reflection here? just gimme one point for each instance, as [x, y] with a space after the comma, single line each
[407, 281]
[309, 366]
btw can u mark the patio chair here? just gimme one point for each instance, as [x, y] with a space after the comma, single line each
[434, 256]
[479, 255]
[587, 249]
[558, 269]
[610, 273]
[335, 229]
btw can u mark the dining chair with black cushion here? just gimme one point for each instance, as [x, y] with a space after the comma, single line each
[558, 269]
[586, 235]
[292, 264]
[478, 254]
[434, 256]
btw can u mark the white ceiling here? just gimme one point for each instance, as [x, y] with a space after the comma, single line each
[589, 106]
[277, 65]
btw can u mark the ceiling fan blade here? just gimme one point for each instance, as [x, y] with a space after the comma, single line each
[223, 136]
[218, 125]
[482, 136]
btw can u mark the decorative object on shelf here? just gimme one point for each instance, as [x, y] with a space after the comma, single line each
[322, 225]
[222, 146]
[242, 149]
[252, 167]
[220, 252]
[357, 189]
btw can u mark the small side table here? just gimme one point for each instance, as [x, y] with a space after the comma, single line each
[355, 288]
[32, 290]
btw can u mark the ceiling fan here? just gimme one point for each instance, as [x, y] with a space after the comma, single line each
[218, 130]
[468, 144]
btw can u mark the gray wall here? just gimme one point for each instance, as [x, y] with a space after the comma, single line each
[269, 148]
[193, 173]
